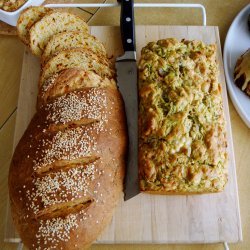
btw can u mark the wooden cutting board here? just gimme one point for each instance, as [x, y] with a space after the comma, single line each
[148, 218]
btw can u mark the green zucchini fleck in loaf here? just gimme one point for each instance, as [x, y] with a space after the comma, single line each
[182, 128]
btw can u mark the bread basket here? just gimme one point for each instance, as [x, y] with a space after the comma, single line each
[11, 17]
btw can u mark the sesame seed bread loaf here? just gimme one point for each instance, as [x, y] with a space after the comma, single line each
[66, 174]
[183, 147]
[27, 18]
[51, 24]
[67, 170]
[73, 39]
[77, 58]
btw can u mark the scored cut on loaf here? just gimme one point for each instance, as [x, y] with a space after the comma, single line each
[71, 79]
[27, 18]
[51, 24]
[77, 58]
[73, 39]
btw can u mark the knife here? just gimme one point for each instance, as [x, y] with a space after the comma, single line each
[127, 83]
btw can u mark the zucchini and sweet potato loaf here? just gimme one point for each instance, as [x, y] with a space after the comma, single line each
[182, 129]
[66, 175]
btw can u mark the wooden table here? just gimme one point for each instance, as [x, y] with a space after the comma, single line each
[219, 13]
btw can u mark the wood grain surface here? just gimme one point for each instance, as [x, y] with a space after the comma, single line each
[206, 218]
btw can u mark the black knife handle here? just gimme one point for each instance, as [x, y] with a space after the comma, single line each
[127, 25]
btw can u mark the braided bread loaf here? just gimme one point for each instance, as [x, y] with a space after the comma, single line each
[66, 174]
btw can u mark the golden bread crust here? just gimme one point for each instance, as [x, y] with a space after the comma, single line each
[71, 174]
[182, 128]
[66, 174]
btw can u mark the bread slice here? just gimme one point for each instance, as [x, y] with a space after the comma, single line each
[69, 80]
[27, 18]
[51, 24]
[77, 58]
[72, 39]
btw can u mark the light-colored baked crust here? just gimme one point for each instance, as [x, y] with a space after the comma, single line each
[182, 128]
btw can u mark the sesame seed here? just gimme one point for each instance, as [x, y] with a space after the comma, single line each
[61, 186]
[57, 228]
[75, 106]
[71, 143]
[78, 141]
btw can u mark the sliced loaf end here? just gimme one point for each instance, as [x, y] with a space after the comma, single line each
[27, 18]
[51, 24]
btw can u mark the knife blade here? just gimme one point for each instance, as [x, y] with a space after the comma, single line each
[127, 83]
